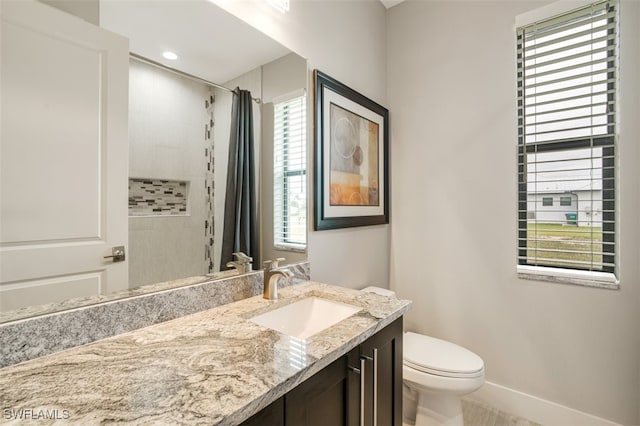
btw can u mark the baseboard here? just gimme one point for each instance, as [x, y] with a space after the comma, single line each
[536, 409]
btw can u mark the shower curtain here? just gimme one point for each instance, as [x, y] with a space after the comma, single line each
[240, 232]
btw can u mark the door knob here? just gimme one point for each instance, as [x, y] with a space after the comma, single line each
[117, 253]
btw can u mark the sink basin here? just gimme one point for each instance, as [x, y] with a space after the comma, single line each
[306, 317]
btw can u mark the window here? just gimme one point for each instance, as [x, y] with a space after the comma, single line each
[567, 81]
[290, 174]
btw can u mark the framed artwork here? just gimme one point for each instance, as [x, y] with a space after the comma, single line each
[351, 157]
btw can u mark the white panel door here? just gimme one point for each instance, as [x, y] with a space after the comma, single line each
[63, 156]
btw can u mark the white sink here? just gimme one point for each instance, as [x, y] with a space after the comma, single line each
[306, 317]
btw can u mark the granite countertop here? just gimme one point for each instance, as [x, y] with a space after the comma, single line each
[214, 367]
[78, 302]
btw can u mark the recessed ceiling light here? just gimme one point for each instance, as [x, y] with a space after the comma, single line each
[169, 55]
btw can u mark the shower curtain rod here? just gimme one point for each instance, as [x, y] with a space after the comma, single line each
[182, 73]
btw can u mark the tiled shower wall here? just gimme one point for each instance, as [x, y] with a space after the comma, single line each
[171, 144]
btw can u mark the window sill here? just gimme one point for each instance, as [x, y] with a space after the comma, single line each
[568, 276]
[291, 247]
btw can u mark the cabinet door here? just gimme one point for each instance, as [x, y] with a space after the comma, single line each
[272, 415]
[355, 387]
[364, 387]
[383, 376]
[320, 400]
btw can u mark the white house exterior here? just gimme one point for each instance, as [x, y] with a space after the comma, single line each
[553, 207]
[564, 183]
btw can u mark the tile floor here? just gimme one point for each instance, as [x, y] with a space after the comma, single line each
[478, 414]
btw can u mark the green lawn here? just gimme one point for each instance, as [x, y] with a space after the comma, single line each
[564, 245]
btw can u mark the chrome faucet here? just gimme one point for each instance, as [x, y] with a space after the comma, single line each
[242, 263]
[272, 274]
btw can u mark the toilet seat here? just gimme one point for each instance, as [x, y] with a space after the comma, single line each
[439, 357]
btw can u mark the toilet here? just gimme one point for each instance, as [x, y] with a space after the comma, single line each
[436, 374]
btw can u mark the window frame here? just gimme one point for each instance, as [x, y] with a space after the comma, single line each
[571, 275]
[285, 243]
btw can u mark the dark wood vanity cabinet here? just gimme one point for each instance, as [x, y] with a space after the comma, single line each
[364, 387]
[382, 355]
[273, 414]
[321, 399]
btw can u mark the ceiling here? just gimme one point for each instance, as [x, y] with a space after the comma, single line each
[210, 42]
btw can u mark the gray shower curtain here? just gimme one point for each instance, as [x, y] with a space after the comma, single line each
[240, 231]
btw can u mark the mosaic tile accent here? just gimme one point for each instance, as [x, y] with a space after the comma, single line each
[157, 197]
[209, 185]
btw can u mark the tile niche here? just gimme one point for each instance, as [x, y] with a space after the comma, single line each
[153, 197]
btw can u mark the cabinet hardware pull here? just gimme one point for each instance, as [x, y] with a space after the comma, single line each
[362, 399]
[375, 387]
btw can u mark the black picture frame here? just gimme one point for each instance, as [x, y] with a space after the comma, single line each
[351, 178]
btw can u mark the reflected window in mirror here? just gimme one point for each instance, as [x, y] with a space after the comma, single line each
[290, 173]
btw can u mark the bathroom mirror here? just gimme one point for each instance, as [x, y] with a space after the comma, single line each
[178, 137]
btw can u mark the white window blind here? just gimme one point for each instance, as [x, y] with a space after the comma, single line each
[290, 173]
[567, 80]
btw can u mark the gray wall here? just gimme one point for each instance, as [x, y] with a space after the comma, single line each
[89, 10]
[347, 40]
[452, 95]
[279, 78]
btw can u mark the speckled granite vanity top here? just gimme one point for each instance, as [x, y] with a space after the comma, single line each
[214, 367]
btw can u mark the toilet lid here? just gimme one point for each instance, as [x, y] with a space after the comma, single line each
[435, 356]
